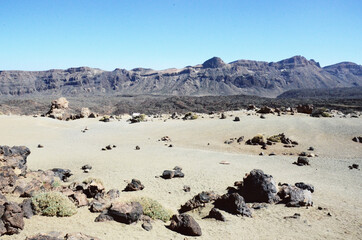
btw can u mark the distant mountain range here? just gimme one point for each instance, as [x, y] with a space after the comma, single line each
[213, 77]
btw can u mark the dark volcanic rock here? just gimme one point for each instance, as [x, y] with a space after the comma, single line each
[126, 212]
[135, 185]
[198, 200]
[216, 214]
[259, 187]
[185, 224]
[27, 208]
[302, 161]
[12, 219]
[357, 139]
[233, 203]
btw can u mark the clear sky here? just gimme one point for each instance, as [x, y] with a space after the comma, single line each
[107, 34]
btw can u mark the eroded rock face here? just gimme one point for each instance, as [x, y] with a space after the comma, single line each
[185, 224]
[126, 212]
[198, 200]
[259, 187]
[11, 218]
[233, 203]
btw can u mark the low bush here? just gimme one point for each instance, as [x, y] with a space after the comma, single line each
[53, 204]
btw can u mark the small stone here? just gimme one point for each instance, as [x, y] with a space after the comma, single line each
[147, 226]
[137, 148]
[311, 149]
[262, 116]
[261, 154]
[40, 146]
[295, 216]
[109, 147]
[216, 214]
[236, 119]
[186, 188]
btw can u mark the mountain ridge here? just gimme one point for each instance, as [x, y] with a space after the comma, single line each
[213, 77]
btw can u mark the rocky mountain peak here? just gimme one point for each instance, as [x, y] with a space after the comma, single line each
[214, 62]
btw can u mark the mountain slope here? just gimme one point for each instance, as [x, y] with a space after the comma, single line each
[213, 77]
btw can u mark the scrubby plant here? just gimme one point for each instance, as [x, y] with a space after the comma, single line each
[53, 204]
[154, 209]
[56, 183]
[275, 138]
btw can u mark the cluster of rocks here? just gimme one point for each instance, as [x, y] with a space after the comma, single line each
[354, 166]
[175, 173]
[60, 110]
[137, 117]
[257, 187]
[304, 158]
[109, 147]
[232, 140]
[263, 141]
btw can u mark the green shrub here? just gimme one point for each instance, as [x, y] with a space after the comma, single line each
[154, 209]
[53, 204]
[275, 138]
[325, 114]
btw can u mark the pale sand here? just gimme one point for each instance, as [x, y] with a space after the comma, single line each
[337, 188]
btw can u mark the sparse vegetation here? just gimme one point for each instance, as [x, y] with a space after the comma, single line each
[53, 204]
[275, 138]
[154, 209]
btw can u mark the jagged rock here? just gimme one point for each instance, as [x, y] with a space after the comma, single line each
[185, 224]
[94, 188]
[27, 208]
[126, 212]
[63, 174]
[357, 139]
[59, 109]
[259, 187]
[216, 214]
[93, 115]
[12, 219]
[307, 109]
[198, 200]
[295, 197]
[135, 185]
[305, 186]
[233, 203]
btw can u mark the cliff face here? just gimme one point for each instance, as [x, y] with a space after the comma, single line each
[213, 77]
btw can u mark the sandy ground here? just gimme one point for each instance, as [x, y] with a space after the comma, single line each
[337, 188]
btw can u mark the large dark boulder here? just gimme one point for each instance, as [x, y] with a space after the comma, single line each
[126, 212]
[185, 224]
[198, 200]
[233, 203]
[259, 187]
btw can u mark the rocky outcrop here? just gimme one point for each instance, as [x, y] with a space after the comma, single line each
[259, 187]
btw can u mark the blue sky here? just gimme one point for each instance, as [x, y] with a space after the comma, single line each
[41, 35]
